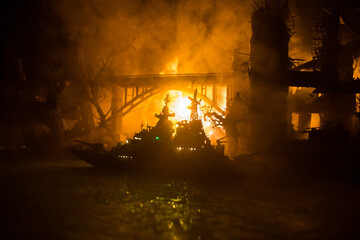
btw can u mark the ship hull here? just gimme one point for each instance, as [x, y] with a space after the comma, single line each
[168, 162]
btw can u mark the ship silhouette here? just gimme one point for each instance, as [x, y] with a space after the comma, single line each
[161, 149]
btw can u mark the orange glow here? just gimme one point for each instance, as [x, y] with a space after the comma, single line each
[209, 92]
[295, 121]
[315, 120]
[356, 67]
[179, 105]
[221, 96]
[172, 67]
[293, 90]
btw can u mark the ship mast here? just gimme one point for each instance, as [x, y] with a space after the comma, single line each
[164, 125]
[164, 115]
[194, 115]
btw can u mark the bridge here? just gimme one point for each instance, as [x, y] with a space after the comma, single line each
[129, 91]
[138, 88]
[207, 79]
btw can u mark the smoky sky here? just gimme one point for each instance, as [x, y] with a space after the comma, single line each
[202, 34]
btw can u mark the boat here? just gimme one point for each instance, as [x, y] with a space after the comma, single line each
[185, 150]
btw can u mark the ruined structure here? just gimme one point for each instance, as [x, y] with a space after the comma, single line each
[269, 63]
[330, 73]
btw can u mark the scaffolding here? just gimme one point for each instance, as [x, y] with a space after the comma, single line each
[318, 36]
[269, 5]
[291, 24]
[275, 4]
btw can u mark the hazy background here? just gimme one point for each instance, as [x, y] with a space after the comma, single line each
[202, 34]
[50, 44]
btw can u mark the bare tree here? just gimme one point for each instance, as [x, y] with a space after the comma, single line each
[94, 84]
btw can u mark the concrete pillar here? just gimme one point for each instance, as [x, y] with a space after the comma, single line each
[337, 60]
[269, 62]
[117, 100]
[214, 95]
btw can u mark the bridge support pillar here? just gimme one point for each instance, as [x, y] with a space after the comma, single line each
[117, 100]
[268, 79]
[214, 94]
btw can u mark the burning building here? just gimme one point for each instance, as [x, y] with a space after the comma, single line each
[328, 78]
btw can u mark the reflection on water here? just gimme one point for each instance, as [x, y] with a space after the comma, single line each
[70, 200]
[150, 207]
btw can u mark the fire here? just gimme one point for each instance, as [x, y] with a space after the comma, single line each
[179, 105]
[172, 67]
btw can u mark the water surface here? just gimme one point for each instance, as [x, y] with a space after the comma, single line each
[64, 198]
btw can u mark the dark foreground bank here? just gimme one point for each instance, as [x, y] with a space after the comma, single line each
[62, 197]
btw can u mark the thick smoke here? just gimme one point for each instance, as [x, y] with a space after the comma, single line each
[201, 34]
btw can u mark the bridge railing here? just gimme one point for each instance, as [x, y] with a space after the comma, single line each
[180, 75]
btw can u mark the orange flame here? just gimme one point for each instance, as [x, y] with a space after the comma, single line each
[179, 105]
[180, 102]
[172, 67]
